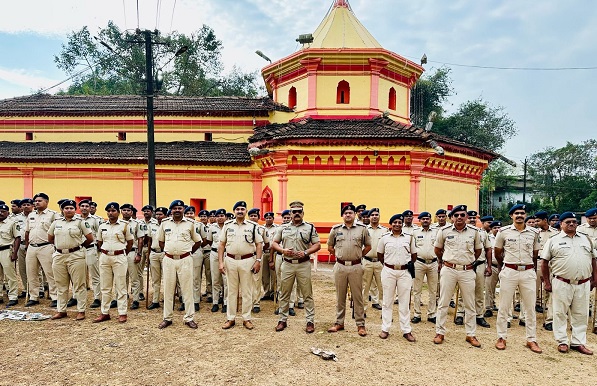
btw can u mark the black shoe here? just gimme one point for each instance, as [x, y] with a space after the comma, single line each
[221, 301]
[364, 315]
[256, 309]
[431, 320]
[224, 308]
[495, 309]
[153, 306]
[548, 326]
[517, 307]
[301, 305]
[452, 304]
[113, 304]
[96, 304]
[376, 306]
[42, 294]
[538, 308]
[141, 296]
[276, 311]
[396, 301]
[54, 304]
[522, 323]
[291, 312]
[482, 322]
[196, 307]
[1, 300]
[22, 295]
[71, 302]
[12, 303]
[215, 308]
[488, 314]
[415, 319]
[181, 308]
[135, 305]
[459, 321]
[514, 316]
[180, 299]
[210, 299]
[509, 325]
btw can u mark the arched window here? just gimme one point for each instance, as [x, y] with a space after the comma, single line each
[343, 93]
[292, 97]
[392, 99]
[267, 199]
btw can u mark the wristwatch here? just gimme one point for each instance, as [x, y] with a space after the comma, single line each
[259, 260]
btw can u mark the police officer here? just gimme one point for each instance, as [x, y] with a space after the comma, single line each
[349, 242]
[516, 250]
[134, 255]
[442, 218]
[91, 254]
[425, 265]
[258, 286]
[269, 261]
[178, 237]
[156, 255]
[359, 212]
[372, 267]
[492, 280]
[545, 233]
[590, 229]
[114, 241]
[239, 256]
[39, 249]
[205, 264]
[197, 257]
[296, 242]
[286, 218]
[571, 256]
[70, 235]
[408, 226]
[394, 250]
[219, 283]
[457, 247]
[10, 240]
[26, 206]
[144, 223]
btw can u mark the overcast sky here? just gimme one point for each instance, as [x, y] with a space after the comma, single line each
[549, 107]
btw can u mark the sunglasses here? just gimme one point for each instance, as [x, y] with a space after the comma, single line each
[459, 215]
[297, 211]
[570, 222]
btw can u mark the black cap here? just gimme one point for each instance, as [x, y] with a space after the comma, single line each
[239, 203]
[486, 218]
[348, 207]
[285, 212]
[495, 224]
[395, 217]
[189, 208]
[567, 215]
[517, 207]
[66, 202]
[3, 206]
[542, 214]
[424, 214]
[204, 212]
[85, 201]
[441, 211]
[147, 207]
[220, 211]
[407, 212]
[112, 205]
[26, 201]
[15, 201]
[42, 195]
[269, 214]
[176, 203]
[458, 208]
[126, 206]
[472, 213]
[212, 212]
[93, 203]
[162, 209]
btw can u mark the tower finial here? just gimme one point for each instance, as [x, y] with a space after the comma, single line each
[341, 3]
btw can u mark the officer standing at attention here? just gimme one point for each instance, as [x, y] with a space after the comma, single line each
[39, 249]
[219, 283]
[70, 235]
[91, 255]
[114, 241]
[408, 226]
[178, 237]
[425, 265]
[545, 233]
[349, 242]
[297, 241]
[156, 255]
[197, 257]
[394, 250]
[242, 246]
[26, 206]
[590, 229]
[457, 247]
[205, 263]
[516, 250]
[571, 256]
[372, 267]
[258, 285]
[10, 240]
[134, 255]
[268, 266]
[144, 223]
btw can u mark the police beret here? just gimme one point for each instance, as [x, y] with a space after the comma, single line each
[268, 214]
[254, 211]
[486, 218]
[85, 201]
[126, 206]
[26, 201]
[472, 213]
[68, 202]
[541, 214]
[495, 224]
[373, 210]
[529, 218]
[112, 205]
[134, 209]
[176, 203]
[42, 195]
[204, 212]
[395, 217]
[407, 212]
[554, 216]
[441, 211]
[220, 211]
[230, 215]
[458, 208]
[348, 207]
[93, 203]
[212, 212]
[2, 202]
[3, 206]
[285, 212]
[187, 209]
[424, 214]
[365, 213]
[567, 215]
[161, 209]
[147, 207]
[557, 225]
[16, 201]
[168, 213]
[359, 207]
[591, 212]
[517, 207]
[239, 203]
[59, 202]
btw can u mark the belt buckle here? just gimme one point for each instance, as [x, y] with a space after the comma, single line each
[521, 268]
[294, 261]
[237, 257]
[66, 250]
[374, 260]
[575, 282]
[459, 267]
[110, 253]
[348, 263]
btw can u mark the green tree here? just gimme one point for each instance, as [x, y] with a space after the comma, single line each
[118, 66]
[498, 176]
[430, 93]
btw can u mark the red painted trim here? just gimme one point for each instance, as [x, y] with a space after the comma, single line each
[27, 182]
[137, 187]
[132, 122]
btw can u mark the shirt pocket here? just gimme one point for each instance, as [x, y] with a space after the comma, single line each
[120, 237]
[185, 237]
[72, 232]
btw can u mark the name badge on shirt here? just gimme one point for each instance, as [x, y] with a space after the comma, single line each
[450, 237]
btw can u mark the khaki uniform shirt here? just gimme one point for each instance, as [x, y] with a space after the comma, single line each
[545, 235]
[94, 224]
[240, 239]
[589, 231]
[518, 246]
[271, 231]
[396, 249]
[213, 235]
[298, 238]
[178, 237]
[20, 218]
[569, 257]
[409, 229]
[459, 247]
[348, 243]
[114, 236]
[10, 229]
[136, 230]
[69, 233]
[38, 224]
[423, 242]
[375, 234]
[152, 231]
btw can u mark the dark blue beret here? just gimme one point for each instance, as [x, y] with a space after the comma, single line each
[362, 206]
[424, 214]
[3, 206]
[269, 214]
[407, 212]
[285, 212]
[365, 213]
[112, 205]
[2, 202]
[59, 202]
[542, 215]
[441, 211]
[230, 215]
[189, 208]
[68, 202]
[220, 211]
[147, 207]
[176, 203]
[373, 210]
[517, 207]
[239, 203]
[42, 195]
[348, 207]
[458, 208]
[161, 209]
[85, 201]
[93, 203]
[254, 211]
[395, 217]
[529, 218]
[591, 212]
[567, 215]
[16, 201]
[134, 209]
[472, 213]
[486, 218]
[554, 216]
[212, 212]
[204, 212]
[495, 224]
[126, 206]
[26, 201]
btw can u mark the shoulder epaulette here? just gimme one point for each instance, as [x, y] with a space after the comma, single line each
[360, 224]
[447, 226]
[506, 227]
[337, 226]
[387, 233]
[228, 222]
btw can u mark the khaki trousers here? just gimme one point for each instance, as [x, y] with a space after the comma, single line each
[448, 279]
[352, 276]
[92, 260]
[133, 275]
[155, 269]
[570, 300]
[239, 276]
[300, 274]
[219, 282]
[422, 270]
[396, 281]
[278, 267]
[22, 253]
[197, 265]
[113, 271]
[144, 256]
[266, 275]
[490, 284]
[547, 301]
[479, 292]
[525, 281]
[9, 273]
[67, 268]
[371, 273]
[258, 286]
[35, 257]
[183, 269]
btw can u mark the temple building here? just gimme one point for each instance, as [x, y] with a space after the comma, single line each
[335, 128]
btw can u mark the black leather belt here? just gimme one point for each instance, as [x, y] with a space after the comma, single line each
[427, 262]
[396, 267]
[575, 282]
[371, 259]
[179, 256]
[5, 247]
[67, 250]
[214, 249]
[156, 250]
[297, 261]
[91, 246]
[39, 245]
[348, 263]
